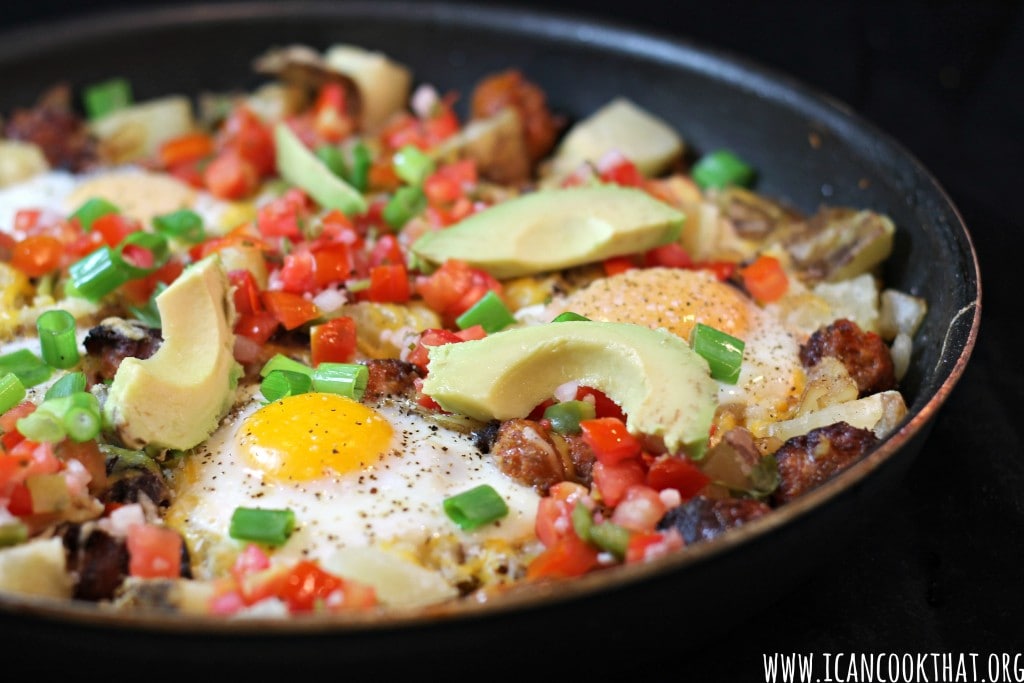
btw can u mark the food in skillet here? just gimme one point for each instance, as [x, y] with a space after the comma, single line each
[324, 346]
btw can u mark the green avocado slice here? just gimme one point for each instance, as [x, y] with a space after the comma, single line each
[301, 168]
[554, 229]
[662, 385]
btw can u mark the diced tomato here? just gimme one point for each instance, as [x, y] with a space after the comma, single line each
[538, 412]
[617, 169]
[297, 274]
[92, 459]
[765, 279]
[251, 560]
[25, 220]
[387, 251]
[153, 552]
[25, 459]
[190, 172]
[472, 333]
[617, 265]
[333, 263]
[306, 585]
[37, 255]
[423, 133]
[140, 290]
[246, 293]
[647, 546]
[674, 472]
[258, 327]
[613, 480]
[722, 270]
[609, 439]
[389, 284]
[640, 509]
[246, 135]
[291, 310]
[553, 521]
[454, 287]
[185, 148]
[450, 182]
[330, 113]
[668, 256]
[338, 227]
[282, 216]
[568, 557]
[9, 423]
[603, 406]
[382, 176]
[231, 176]
[115, 227]
[334, 341]
[441, 216]
[431, 337]
[20, 502]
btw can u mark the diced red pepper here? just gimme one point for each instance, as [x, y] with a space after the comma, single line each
[258, 327]
[246, 293]
[609, 439]
[389, 284]
[186, 148]
[603, 406]
[334, 263]
[765, 279]
[291, 310]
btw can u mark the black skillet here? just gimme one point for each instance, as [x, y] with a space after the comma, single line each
[808, 149]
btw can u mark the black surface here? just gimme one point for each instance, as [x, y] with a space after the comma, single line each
[937, 568]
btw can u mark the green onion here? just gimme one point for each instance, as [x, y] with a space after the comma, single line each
[12, 391]
[184, 224]
[412, 165]
[71, 383]
[582, 522]
[565, 416]
[272, 527]
[475, 507]
[82, 424]
[345, 379]
[723, 352]
[97, 207]
[154, 243]
[283, 383]
[357, 285]
[611, 537]
[569, 316]
[42, 427]
[27, 366]
[332, 158]
[98, 274]
[406, 203]
[12, 533]
[359, 174]
[150, 313]
[282, 362]
[57, 340]
[721, 168]
[489, 312]
[102, 98]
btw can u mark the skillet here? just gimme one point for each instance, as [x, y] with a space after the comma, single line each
[714, 100]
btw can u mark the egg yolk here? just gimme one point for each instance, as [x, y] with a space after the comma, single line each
[309, 436]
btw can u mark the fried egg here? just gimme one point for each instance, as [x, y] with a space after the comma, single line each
[771, 379]
[354, 475]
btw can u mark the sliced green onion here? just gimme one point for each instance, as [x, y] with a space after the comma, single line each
[98, 274]
[71, 383]
[57, 340]
[272, 527]
[42, 427]
[721, 168]
[565, 416]
[27, 366]
[359, 173]
[282, 362]
[12, 391]
[185, 225]
[345, 379]
[489, 312]
[412, 165]
[582, 522]
[475, 507]
[82, 424]
[406, 203]
[723, 352]
[283, 383]
[12, 533]
[569, 316]
[357, 285]
[97, 207]
[155, 243]
[150, 313]
[333, 159]
[611, 537]
[102, 98]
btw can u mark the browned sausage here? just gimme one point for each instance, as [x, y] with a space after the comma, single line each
[60, 133]
[390, 377]
[112, 341]
[510, 89]
[702, 519]
[808, 460]
[864, 354]
[529, 453]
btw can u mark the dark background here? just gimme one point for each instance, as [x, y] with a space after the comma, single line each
[937, 568]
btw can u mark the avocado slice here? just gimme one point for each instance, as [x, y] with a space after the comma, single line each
[554, 229]
[176, 397]
[663, 386]
[300, 167]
